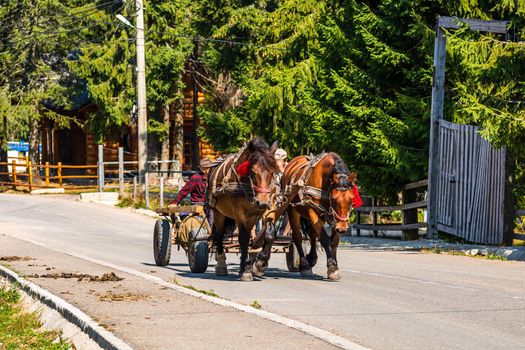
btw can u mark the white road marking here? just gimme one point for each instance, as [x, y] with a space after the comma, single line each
[319, 333]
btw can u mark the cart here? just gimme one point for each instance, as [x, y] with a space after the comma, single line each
[187, 227]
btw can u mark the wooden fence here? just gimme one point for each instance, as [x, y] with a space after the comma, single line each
[471, 185]
[409, 226]
[41, 175]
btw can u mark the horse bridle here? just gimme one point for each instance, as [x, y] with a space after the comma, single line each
[331, 210]
[258, 189]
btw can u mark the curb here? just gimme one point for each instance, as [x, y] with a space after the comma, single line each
[508, 253]
[87, 325]
[318, 333]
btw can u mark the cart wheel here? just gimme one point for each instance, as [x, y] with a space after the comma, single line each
[198, 251]
[162, 242]
[292, 257]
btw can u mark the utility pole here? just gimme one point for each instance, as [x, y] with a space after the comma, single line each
[142, 127]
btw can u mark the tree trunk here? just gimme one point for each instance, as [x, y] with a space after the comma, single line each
[178, 138]
[34, 142]
[165, 146]
[3, 150]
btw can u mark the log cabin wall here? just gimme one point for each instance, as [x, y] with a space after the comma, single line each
[75, 146]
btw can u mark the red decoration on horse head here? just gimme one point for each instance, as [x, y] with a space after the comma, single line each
[356, 201]
[243, 169]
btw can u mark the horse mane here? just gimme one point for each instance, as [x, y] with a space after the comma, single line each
[340, 168]
[258, 151]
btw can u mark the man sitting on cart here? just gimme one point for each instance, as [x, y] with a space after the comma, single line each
[196, 186]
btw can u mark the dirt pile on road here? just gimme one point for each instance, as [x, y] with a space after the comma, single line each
[15, 258]
[110, 296]
[107, 277]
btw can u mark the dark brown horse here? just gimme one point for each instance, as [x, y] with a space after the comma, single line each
[325, 195]
[239, 193]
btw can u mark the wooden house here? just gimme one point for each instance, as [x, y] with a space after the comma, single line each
[76, 146]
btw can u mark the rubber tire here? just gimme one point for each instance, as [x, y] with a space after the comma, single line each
[162, 242]
[198, 252]
[292, 257]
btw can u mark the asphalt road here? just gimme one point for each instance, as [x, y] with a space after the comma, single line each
[386, 300]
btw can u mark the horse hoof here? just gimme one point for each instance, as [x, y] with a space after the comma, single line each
[306, 273]
[334, 275]
[247, 277]
[221, 271]
[259, 267]
[312, 261]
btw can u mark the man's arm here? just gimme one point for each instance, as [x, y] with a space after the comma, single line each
[188, 187]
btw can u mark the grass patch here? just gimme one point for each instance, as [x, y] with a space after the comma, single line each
[491, 256]
[256, 305]
[21, 330]
[210, 292]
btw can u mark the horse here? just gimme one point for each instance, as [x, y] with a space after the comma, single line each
[324, 193]
[239, 192]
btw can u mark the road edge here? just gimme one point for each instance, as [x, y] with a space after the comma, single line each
[313, 331]
[70, 313]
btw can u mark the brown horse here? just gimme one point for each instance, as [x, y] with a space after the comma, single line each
[325, 195]
[239, 193]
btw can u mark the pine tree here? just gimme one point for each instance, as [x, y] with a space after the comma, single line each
[32, 51]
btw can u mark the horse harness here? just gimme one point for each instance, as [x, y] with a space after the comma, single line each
[298, 187]
[225, 168]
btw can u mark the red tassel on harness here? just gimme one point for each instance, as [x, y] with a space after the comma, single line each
[357, 201]
[243, 169]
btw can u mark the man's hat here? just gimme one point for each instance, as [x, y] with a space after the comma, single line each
[205, 163]
[280, 154]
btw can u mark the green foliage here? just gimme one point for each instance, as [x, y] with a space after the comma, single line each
[21, 330]
[352, 77]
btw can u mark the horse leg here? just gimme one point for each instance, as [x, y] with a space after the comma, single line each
[297, 236]
[311, 257]
[331, 261]
[261, 261]
[245, 271]
[218, 239]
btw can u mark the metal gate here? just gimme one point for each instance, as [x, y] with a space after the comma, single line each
[471, 185]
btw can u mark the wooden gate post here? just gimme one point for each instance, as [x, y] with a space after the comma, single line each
[30, 175]
[13, 171]
[59, 173]
[47, 174]
[409, 216]
[438, 99]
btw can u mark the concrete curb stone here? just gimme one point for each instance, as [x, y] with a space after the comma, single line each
[509, 253]
[99, 335]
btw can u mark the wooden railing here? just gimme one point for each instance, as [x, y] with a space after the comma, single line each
[409, 211]
[32, 173]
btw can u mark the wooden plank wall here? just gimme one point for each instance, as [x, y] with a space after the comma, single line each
[471, 185]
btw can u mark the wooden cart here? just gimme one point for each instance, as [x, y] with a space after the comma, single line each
[187, 227]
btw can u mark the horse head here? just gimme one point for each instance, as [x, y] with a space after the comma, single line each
[341, 194]
[257, 163]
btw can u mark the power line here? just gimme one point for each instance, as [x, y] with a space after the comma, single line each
[56, 31]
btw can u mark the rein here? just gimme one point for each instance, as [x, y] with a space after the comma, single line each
[221, 181]
[317, 193]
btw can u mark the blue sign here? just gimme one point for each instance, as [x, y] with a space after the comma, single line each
[20, 146]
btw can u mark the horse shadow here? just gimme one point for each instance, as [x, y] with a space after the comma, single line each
[272, 273]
